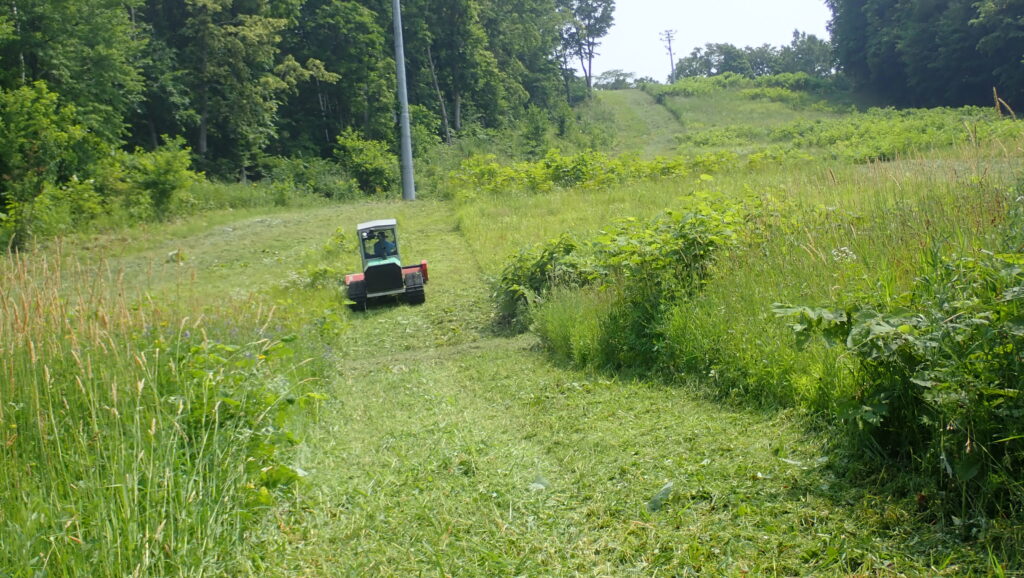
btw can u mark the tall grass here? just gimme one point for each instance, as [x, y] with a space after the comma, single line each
[128, 435]
[836, 230]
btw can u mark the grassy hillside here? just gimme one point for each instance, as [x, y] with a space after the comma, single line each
[634, 123]
[245, 422]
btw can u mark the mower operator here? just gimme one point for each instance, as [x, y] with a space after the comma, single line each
[383, 248]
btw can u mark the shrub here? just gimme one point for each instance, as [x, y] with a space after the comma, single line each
[58, 209]
[206, 196]
[425, 129]
[528, 276]
[369, 162]
[885, 134]
[777, 94]
[794, 81]
[940, 372]
[42, 151]
[483, 173]
[641, 267]
[162, 173]
[311, 175]
[697, 86]
[775, 156]
[654, 264]
[713, 162]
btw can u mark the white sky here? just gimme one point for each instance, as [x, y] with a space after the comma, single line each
[633, 45]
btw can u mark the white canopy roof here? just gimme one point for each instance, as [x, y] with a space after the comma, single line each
[378, 224]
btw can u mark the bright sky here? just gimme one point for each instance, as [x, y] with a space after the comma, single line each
[633, 45]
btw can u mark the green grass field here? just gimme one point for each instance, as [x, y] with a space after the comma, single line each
[434, 443]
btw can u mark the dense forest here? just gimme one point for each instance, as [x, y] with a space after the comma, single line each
[237, 78]
[931, 52]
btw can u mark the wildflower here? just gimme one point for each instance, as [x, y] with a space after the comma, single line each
[843, 255]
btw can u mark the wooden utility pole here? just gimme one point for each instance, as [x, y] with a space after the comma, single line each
[668, 36]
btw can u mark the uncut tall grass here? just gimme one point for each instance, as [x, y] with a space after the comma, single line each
[103, 471]
[830, 233]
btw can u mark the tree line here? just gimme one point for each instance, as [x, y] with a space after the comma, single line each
[931, 52]
[238, 79]
[806, 53]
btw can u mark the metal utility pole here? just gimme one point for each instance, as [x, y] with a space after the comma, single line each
[408, 184]
[668, 36]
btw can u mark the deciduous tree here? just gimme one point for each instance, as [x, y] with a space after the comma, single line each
[586, 22]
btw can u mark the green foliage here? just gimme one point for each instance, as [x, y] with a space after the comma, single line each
[584, 23]
[774, 156]
[369, 162]
[529, 275]
[143, 186]
[58, 210]
[210, 196]
[940, 371]
[930, 54]
[88, 52]
[886, 134]
[807, 56]
[120, 420]
[162, 173]
[570, 322]
[586, 170]
[640, 267]
[44, 157]
[312, 175]
[778, 94]
[723, 136]
[425, 129]
[353, 78]
[655, 264]
[535, 133]
[697, 86]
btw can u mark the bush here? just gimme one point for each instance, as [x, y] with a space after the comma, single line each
[641, 268]
[794, 81]
[654, 265]
[162, 173]
[886, 134]
[208, 196]
[528, 277]
[940, 373]
[42, 152]
[311, 175]
[483, 173]
[697, 86]
[369, 162]
[58, 210]
[785, 96]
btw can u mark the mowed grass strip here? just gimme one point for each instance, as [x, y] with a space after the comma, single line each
[490, 461]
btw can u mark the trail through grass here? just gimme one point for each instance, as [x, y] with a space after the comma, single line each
[636, 123]
[445, 448]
